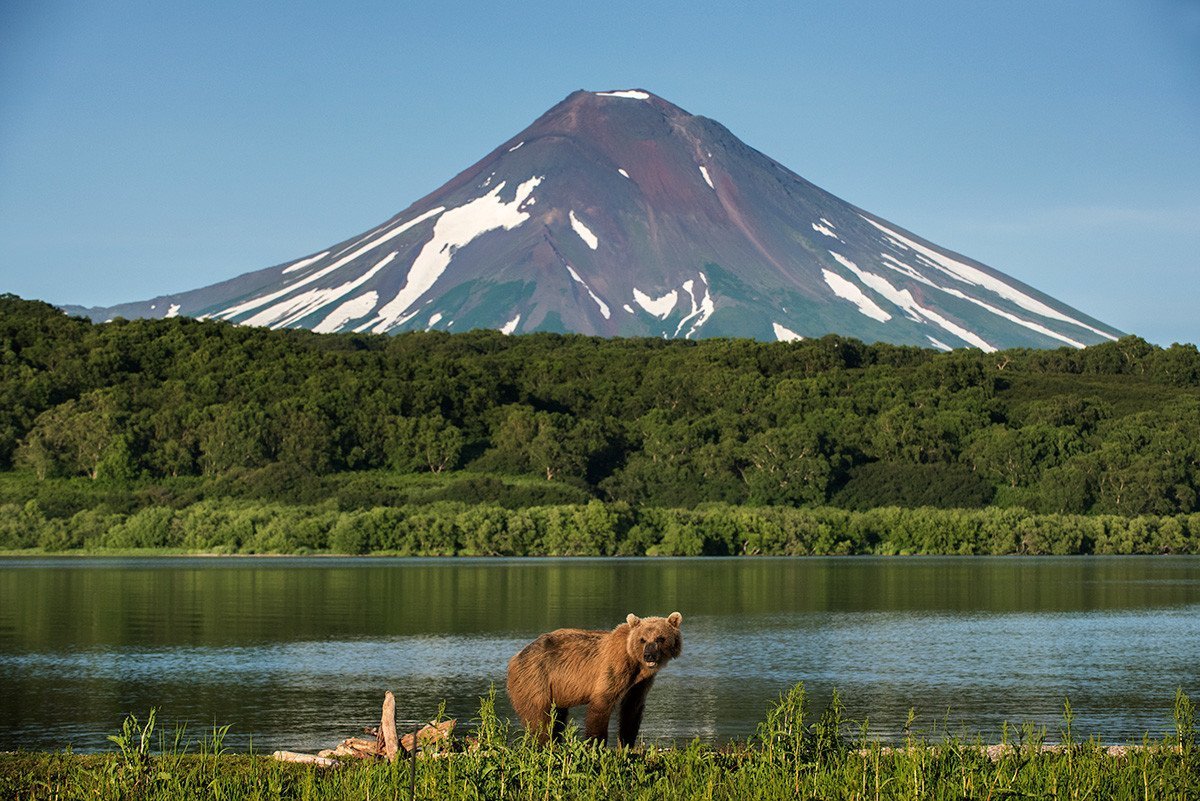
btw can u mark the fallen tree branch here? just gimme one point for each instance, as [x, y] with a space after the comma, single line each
[306, 759]
[429, 735]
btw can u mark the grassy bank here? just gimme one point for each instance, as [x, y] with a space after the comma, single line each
[794, 755]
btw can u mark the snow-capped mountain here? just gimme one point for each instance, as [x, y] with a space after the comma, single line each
[618, 213]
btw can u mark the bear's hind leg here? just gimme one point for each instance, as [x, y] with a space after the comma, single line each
[538, 715]
[559, 725]
[546, 724]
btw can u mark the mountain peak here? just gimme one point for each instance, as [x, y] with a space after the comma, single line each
[590, 113]
[620, 99]
[630, 94]
[618, 213]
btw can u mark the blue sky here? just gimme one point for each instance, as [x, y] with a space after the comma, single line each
[152, 147]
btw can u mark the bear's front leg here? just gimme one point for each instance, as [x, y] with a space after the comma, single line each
[629, 721]
[595, 726]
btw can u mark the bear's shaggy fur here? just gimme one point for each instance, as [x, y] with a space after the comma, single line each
[603, 669]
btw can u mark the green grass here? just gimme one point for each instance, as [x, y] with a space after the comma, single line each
[793, 755]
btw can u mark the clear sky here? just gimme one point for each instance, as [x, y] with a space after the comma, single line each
[152, 147]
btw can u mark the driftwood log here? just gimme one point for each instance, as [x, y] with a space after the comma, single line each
[386, 742]
[429, 735]
[387, 728]
[307, 759]
[354, 747]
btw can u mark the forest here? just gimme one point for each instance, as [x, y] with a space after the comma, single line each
[130, 414]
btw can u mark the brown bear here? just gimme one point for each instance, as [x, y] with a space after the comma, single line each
[602, 669]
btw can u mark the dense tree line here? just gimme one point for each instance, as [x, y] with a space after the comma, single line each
[594, 529]
[1110, 429]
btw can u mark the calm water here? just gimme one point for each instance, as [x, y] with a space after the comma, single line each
[297, 653]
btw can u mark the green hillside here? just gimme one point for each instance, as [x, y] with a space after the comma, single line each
[137, 413]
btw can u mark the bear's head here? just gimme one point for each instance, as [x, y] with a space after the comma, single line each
[653, 641]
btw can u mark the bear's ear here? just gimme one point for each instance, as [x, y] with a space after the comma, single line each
[632, 619]
[675, 619]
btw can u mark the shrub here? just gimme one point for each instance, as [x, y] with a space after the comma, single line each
[152, 527]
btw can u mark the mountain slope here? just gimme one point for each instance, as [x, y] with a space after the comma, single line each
[618, 213]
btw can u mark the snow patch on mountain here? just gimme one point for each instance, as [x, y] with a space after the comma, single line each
[297, 307]
[603, 306]
[585, 233]
[783, 334]
[976, 277]
[939, 345]
[300, 265]
[364, 238]
[901, 298]
[242, 308]
[881, 285]
[515, 147]
[622, 172]
[892, 263]
[970, 337]
[455, 229]
[707, 180]
[707, 307]
[632, 94]
[904, 299]
[821, 229]
[848, 290]
[701, 309]
[510, 326]
[351, 310]
[660, 307]
[173, 310]
[1041, 329]
[433, 320]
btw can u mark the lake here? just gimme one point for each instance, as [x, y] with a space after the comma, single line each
[297, 652]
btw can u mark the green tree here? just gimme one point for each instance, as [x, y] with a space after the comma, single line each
[1017, 457]
[425, 443]
[73, 436]
[1178, 365]
[231, 435]
[561, 447]
[1149, 463]
[303, 436]
[117, 464]
[791, 466]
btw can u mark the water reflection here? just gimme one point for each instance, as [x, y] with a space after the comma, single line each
[296, 653]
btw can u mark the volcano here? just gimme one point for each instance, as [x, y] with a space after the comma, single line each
[618, 213]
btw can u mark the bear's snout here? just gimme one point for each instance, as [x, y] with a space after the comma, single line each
[650, 653]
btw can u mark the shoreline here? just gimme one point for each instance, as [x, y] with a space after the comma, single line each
[161, 553]
[365, 557]
[219, 527]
